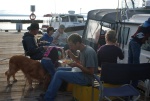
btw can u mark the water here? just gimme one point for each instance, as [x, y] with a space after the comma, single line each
[12, 26]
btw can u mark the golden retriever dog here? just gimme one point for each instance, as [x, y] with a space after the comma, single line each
[32, 69]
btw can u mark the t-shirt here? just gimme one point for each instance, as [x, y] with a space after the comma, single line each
[142, 34]
[47, 38]
[62, 39]
[109, 54]
[88, 58]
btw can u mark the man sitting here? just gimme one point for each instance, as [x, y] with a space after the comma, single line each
[87, 63]
[46, 39]
[60, 37]
[31, 48]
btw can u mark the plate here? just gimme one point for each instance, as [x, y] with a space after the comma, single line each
[76, 69]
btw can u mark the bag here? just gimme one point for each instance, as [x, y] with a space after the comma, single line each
[52, 53]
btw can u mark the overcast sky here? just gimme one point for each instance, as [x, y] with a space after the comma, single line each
[54, 6]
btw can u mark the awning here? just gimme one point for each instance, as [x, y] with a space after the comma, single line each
[107, 15]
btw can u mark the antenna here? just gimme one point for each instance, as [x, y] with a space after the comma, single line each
[133, 4]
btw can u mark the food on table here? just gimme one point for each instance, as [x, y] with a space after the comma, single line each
[67, 61]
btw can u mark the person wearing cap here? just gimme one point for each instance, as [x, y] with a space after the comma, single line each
[139, 38]
[47, 38]
[147, 23]
[60, 37]
[141, 35]
[32, 49]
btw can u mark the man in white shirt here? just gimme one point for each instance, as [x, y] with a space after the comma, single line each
[60, 37]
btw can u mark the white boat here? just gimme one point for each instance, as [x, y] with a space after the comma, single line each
[73, 22]
[99, 21]
[125, 21]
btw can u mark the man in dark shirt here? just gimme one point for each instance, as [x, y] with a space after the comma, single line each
[109, 52]
[140, 36]
[30, 46]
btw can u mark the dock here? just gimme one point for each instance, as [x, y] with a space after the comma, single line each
[10, 44]
[20, 21]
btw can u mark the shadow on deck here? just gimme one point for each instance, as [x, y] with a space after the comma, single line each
[10, 44]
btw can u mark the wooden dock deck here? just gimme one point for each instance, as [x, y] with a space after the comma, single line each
[10, 44]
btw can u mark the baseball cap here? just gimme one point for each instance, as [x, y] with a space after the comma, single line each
[33, 26]
[62, 26]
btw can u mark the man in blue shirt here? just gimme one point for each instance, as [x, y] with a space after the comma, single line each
[47, 39]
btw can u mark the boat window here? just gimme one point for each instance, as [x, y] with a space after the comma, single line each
[52, 20]
[73, 18]
[93, 31]
[57, 19]
[146, 46]
[64, 18]
[80, 19]
[123, 35]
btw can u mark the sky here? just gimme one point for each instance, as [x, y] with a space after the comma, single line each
[54, 6]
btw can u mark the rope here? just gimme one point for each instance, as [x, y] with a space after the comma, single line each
[117, 11]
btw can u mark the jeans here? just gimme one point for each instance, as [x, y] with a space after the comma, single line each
[134, 56]
[134, 52]
[48, 66]
[64, 73]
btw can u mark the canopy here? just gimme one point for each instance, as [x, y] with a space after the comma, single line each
[113, 15]
[107, 15]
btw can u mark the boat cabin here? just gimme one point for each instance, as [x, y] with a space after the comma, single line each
[125, 25]
[73, 22]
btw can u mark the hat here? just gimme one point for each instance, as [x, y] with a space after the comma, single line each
[33, 26]
[62, 26]
[147, 23]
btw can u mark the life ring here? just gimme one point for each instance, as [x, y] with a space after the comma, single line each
[32, 16]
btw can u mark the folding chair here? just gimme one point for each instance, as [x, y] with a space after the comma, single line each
[121, 74]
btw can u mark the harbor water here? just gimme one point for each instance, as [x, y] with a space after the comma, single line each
[12, 26]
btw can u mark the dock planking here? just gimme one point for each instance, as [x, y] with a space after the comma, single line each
[10, 44]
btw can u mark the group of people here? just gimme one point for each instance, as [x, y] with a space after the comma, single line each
[87, 61]
[54, 38]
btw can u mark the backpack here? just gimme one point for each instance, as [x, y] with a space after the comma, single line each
[52, 53]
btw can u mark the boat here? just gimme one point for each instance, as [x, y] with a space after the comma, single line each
[125, 22]
[73, 22]
[101, 20]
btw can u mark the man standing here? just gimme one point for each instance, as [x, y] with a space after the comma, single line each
[140, 36]
[29, 43]
[87, 63]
